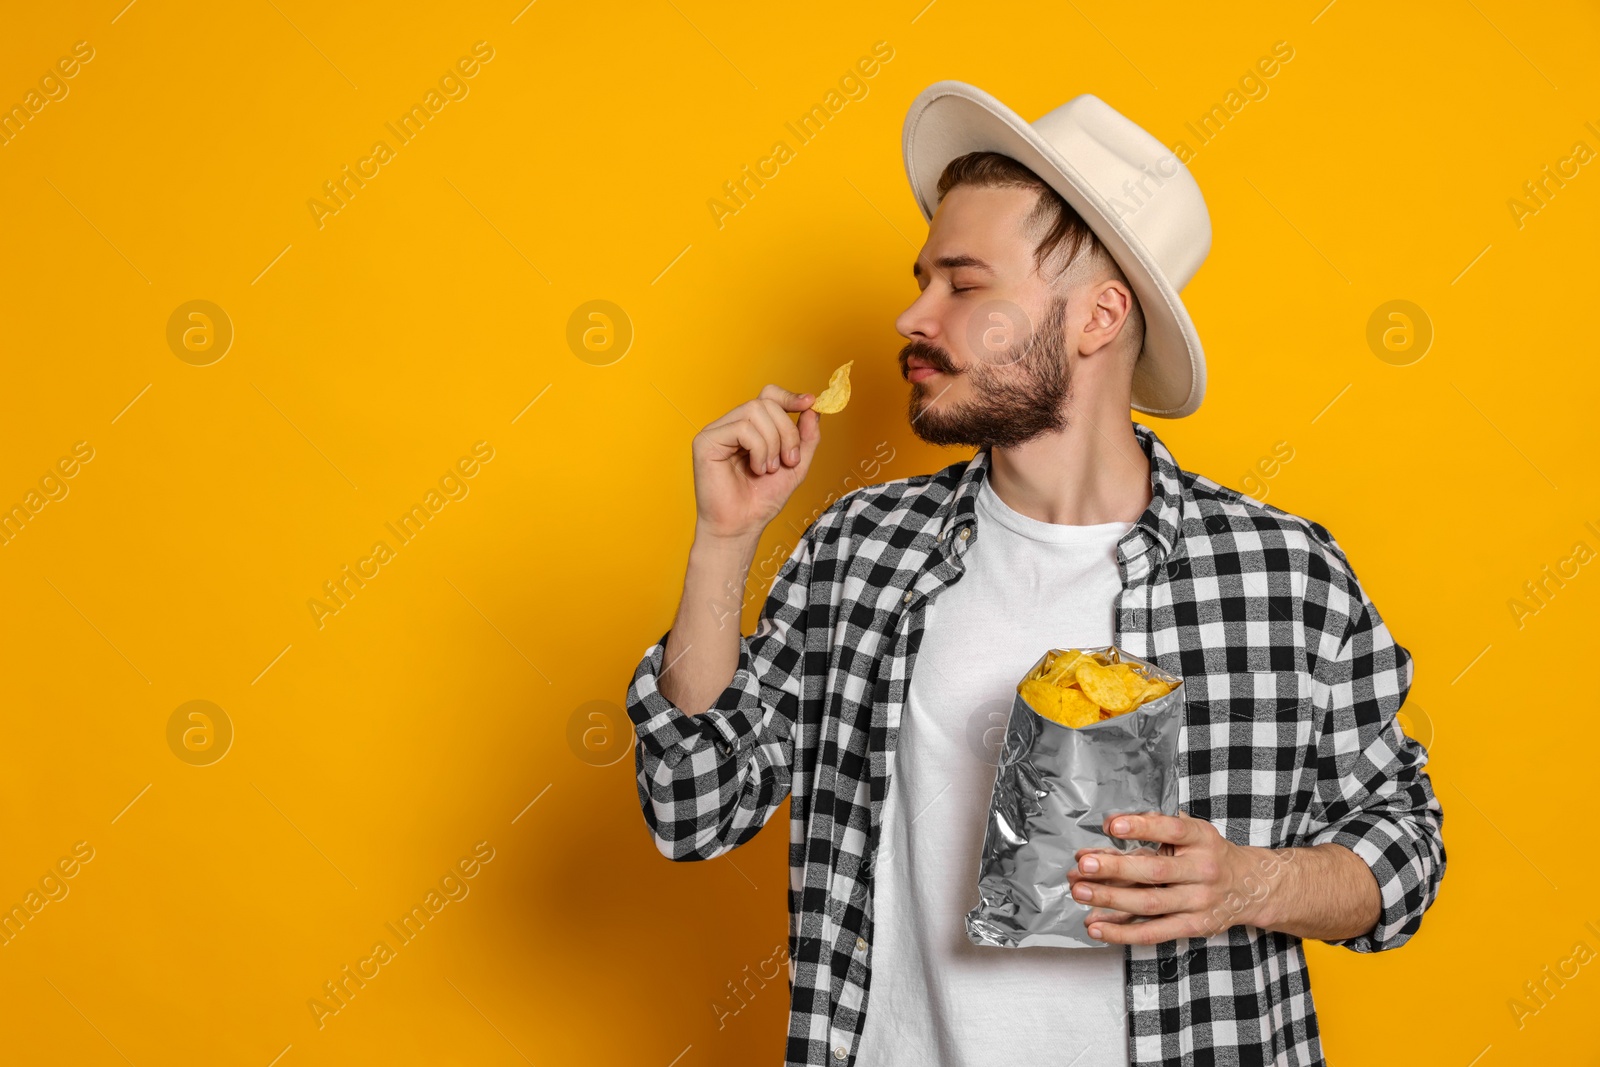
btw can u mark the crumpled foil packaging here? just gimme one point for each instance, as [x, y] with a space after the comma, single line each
[1053, 791]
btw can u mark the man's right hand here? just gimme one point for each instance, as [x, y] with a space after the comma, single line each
[750, 461]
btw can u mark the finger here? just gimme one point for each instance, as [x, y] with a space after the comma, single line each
[1139, 868]
[1093, 850]
[726, 438]
[1076, 874]
[1140, 900]
[1074, 877]
[749, 437]
[1114, 885]
[785, 399]
[800, 402]
[788, 435]
[766, 423]
[1106, 915]
[1153, 826]
[1167, 928]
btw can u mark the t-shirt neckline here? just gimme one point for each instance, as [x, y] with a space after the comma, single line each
[990, 504]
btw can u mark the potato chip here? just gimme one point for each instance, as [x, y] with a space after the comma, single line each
[1041, 696]
[1055, 658]
[1067, 706]
[1133, 681]
[833, 399]
[1058, 668]
[1104, 686]
[1153, 688]
[1077, 688]
[1082, 711]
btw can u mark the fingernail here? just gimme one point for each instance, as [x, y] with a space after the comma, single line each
[794, 455]
[772, 464]
[1083, 892]
[1094, 932]
[1089, 865]
[1119, 826]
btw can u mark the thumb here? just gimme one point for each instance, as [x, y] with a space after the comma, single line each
[810, 438]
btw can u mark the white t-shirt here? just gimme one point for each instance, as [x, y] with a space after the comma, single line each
[936, 998]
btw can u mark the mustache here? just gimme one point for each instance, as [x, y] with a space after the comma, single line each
[930, 355]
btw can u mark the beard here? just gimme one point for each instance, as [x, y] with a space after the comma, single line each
[1016, 393]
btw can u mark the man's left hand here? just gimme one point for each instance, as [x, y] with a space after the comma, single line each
[1194, 888]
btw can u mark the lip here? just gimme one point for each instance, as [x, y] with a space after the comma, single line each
[918, 373]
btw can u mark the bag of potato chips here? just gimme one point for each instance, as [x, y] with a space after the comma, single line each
[1093, 732]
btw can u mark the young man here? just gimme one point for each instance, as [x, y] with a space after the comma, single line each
[894, 635]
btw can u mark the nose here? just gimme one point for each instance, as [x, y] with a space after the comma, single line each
[919, 322]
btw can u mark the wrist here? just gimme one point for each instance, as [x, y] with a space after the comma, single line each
[719, 571]
[1259, 874]
[724, 546]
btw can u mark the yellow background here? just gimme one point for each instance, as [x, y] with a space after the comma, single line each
[437, 709]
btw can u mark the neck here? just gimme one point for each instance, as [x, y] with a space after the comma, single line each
[1092, 472]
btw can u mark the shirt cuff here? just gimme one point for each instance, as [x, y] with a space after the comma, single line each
[1388, 854]
[670, 733]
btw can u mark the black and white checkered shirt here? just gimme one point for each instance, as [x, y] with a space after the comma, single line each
[1290, 739]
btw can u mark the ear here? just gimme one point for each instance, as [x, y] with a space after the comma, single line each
[1111, 307]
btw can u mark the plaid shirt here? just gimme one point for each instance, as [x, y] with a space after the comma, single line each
[1289, 739]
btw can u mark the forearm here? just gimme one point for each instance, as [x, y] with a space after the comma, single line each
[1325, 892]
[702, 649]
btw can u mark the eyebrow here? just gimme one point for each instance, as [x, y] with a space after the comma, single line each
[951, 263]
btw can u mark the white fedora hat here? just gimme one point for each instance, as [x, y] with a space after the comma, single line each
[1137, 197]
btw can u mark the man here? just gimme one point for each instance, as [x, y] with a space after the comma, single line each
[896, 631]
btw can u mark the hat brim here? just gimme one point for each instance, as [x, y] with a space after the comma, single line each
[952, 118]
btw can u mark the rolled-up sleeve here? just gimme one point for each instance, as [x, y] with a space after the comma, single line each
[1373, 795]
[709, 782]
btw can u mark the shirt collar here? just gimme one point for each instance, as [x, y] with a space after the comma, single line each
[1161, 522]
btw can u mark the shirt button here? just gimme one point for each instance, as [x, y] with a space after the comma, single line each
[966, 532]
[861, 944]
[840, 1053]
[907, 598]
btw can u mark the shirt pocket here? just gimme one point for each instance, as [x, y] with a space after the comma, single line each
[1246, 763]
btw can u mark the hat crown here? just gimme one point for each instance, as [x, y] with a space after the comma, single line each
[1140, 181]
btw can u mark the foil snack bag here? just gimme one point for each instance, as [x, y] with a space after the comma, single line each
[1056, 785]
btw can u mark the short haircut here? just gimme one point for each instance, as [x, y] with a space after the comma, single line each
[1065, 235]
